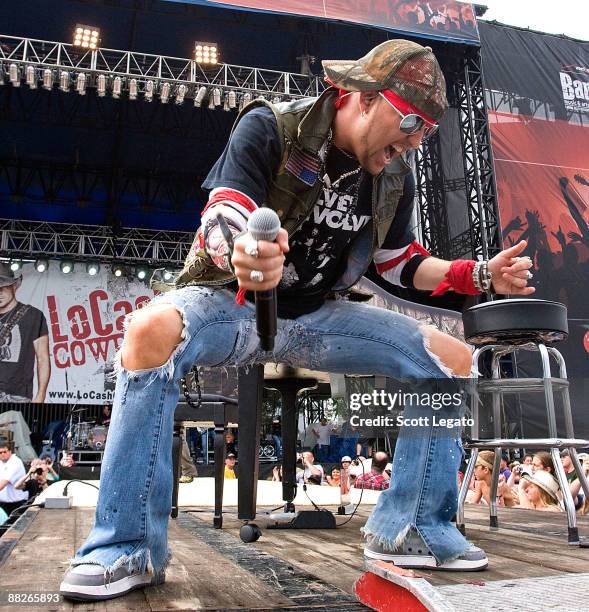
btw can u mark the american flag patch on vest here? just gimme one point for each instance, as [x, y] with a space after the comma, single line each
[303, 165]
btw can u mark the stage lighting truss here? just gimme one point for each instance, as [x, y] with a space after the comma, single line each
[78, 69]
[32, 240]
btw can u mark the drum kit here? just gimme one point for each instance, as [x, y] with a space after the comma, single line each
[84, 435]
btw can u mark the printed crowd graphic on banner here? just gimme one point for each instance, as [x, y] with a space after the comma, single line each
[538, 90]
[73, 323]
[436, 18]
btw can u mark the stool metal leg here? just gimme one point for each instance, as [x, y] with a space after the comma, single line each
[464, 491]
[493, 520]
[569, 504]
[568, 421]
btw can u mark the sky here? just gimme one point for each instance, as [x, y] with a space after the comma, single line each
[570, 17]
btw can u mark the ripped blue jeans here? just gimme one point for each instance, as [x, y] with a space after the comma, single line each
[134, 503]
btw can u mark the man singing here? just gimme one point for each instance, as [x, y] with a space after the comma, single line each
[333, 169]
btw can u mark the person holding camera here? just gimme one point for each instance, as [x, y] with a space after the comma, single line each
[35, 480]
[52, 475]
[311, 470]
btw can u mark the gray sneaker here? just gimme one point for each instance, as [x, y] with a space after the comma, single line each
[86, 582]
[414, 554]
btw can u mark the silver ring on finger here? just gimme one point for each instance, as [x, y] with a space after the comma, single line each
[251, 248]
[529, 274]
[257, 276]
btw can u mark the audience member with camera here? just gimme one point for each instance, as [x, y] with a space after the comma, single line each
[35, 480]
[311, 473]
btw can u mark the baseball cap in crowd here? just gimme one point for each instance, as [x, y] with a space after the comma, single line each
[401, 66]
[545, 481]
[7, 276]
[346, 458]
[229, 455]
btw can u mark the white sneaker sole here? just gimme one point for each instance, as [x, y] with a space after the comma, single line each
[428, 562]
[98, 592]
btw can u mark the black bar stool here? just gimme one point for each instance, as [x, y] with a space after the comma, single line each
[505, 327]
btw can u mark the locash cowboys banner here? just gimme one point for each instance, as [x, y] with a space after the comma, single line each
[72, 322]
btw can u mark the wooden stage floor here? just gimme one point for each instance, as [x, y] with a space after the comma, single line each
[531, 566]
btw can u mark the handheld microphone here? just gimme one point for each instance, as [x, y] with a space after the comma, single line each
[264, 224]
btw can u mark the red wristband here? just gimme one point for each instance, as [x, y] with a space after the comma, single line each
[240, 297]
[458, 279]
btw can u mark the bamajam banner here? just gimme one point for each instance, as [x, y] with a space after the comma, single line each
[437, 19]
[58, 341]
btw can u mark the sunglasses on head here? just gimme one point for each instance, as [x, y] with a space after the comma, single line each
[413, 123]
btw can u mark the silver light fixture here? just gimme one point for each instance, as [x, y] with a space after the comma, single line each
[48, 79]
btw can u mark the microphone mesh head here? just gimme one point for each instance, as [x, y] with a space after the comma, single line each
[263, 224]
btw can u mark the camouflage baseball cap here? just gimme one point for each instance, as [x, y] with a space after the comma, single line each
[408, 69]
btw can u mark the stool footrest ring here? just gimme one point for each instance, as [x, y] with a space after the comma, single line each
[527, 442]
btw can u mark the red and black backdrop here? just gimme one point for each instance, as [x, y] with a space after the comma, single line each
[538, 96]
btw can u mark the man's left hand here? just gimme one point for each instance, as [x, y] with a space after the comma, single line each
[511, 272]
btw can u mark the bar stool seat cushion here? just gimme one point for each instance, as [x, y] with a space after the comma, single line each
[515, 321]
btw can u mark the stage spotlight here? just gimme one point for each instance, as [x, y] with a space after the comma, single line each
[81, 83]
[92, 269]
[217, 96]
[133, 89]
[31, 77]
[211, 101]
[226, 103]
[101, 85]
[246, 99]
[180, 94]
[118, 270]
[165, 93]
[168, 276]
[276, 100]
[141, 273]
[66, 267]
[64, 81]
[205, 52]
[41, 265]
[232, 99]
[117, 87]
[87, 37]
[14, 75]
[200, 96]
[15, 265]
[149, 86]
[48, 79]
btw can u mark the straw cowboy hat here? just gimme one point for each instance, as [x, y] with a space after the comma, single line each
[545, 481]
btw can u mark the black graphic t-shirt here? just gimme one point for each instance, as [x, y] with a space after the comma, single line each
[319, 248]
[17, 351]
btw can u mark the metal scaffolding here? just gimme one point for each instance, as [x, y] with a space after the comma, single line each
[46, 63]
[30, 63]
[32, 239]
[481, 192]
[431, 197]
